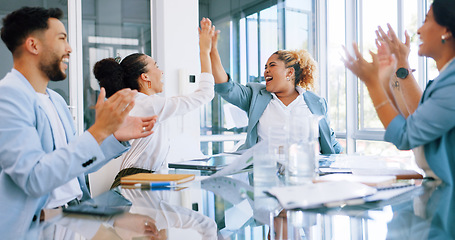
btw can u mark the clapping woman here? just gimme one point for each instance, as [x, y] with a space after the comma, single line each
[431, 125]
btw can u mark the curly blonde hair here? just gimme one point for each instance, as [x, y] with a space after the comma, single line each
[305, 67]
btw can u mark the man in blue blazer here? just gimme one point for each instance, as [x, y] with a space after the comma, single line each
[32, 166]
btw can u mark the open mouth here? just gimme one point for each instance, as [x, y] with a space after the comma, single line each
[65, 61]
[268, 79]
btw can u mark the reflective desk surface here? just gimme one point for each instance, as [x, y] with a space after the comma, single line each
[231, 208]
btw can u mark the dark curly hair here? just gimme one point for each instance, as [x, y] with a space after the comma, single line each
[114, 76]
[18, 25]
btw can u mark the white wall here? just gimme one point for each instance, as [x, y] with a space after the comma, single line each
[177, 50]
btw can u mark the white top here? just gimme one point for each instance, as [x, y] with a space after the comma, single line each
[151, 152]
[71, 189]
[277, 114]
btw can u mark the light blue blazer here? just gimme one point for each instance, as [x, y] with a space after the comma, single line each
[254, 98]
[431, 125]
[30, 167]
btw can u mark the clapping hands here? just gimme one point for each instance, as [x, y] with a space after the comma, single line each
[379, 70]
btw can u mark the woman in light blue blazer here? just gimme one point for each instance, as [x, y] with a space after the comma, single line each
[428, 128]
[289, 75]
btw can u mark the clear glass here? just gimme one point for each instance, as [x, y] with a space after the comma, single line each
[265, 166]
[118, 28]
[302, 164]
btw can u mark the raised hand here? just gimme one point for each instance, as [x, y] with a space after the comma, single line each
[206, 32]
[215, 35]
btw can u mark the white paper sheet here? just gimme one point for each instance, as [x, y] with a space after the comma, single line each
[243, 161]
[321, 194]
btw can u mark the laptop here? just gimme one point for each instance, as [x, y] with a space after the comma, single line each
[213, 163]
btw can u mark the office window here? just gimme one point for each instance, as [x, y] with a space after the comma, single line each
[251, 35]
[299, 32]
[110, 29]
[293, 24]
[371, 16]
[336, 74]
[61, 87]
[255, 34]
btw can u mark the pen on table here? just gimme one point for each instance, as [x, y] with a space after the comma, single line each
[155, 185]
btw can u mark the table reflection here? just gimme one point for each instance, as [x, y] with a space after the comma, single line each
[231, 208]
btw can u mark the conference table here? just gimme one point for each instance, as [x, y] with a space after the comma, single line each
[231, 207]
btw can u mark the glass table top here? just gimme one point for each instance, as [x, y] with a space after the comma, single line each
[232, 208]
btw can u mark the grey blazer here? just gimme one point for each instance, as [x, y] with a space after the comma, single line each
[254, 98]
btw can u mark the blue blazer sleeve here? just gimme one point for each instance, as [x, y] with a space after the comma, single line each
[27, 153]
[433, 118]
[235, 93]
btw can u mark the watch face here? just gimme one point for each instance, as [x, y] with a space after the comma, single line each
[402, 73]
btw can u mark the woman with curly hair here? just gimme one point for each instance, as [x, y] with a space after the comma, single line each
[289, 77]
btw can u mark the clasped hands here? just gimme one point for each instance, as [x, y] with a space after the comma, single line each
[112, 118]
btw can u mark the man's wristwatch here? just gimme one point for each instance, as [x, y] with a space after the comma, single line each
[403, 72]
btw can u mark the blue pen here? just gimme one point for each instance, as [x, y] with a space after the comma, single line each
[155, 185]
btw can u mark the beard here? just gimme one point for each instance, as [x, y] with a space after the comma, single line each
[51, 67]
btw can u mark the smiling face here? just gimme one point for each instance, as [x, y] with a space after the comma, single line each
[430, 36]
[55, 52]
[153, 75]
[276, 75]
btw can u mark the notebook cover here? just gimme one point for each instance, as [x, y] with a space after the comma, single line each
[153, 177]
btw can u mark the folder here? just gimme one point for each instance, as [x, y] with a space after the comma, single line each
[157, 180]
